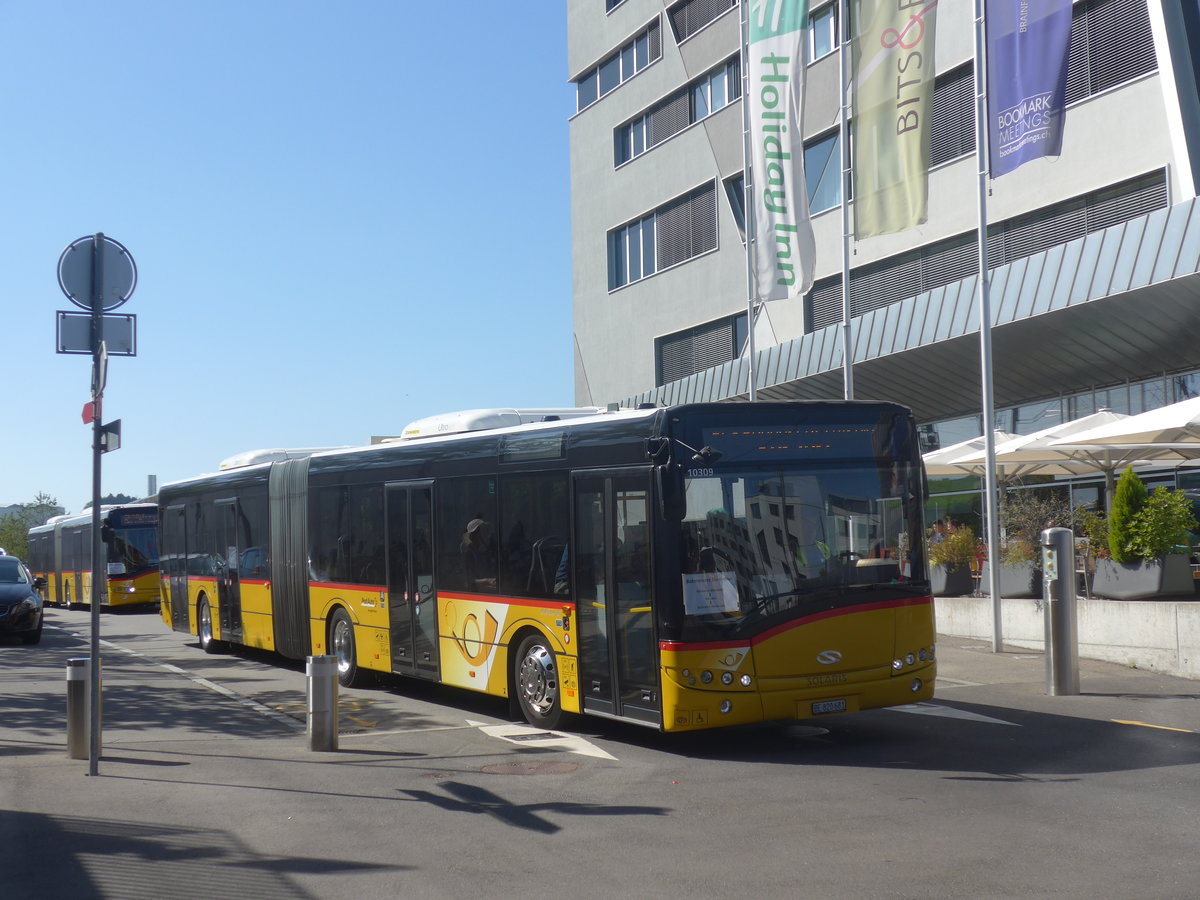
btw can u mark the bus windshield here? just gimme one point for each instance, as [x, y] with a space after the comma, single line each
[782, 525]
[132, 550]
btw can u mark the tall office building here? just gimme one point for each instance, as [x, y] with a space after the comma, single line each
[1095, 254]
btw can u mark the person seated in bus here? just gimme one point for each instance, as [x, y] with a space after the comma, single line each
[479, 555]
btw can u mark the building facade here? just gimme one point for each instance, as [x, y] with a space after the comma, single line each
[1095, 254]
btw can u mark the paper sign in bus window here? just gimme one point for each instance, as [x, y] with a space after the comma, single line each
[708, 593]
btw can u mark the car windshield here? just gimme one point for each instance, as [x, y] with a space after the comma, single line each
[11, 571]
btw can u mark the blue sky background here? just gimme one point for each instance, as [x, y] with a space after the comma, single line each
[344, 216]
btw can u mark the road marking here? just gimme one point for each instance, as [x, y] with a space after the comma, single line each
[204, 682]
[943, 681]
[933, 709]
[1148, 725]
[528, 736]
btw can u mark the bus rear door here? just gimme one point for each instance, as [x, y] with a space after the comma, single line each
[174, 564]
[618, 659]
[229, 589]
[412, 607]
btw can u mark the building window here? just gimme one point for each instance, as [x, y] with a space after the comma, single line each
[631, 252]
[696, 349]
[823, 172]
[952, 121]
[822, 30]
[675, 232]
[712, 91]
[689, 16]
[1111, 43]
[633, 56]
[610, 5]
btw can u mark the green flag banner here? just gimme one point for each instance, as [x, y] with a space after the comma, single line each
[892, 96]
[784, 247]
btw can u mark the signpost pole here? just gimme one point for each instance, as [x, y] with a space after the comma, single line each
[99, 559]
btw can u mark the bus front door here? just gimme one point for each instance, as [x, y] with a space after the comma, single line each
[229, 587]
[618, 658]
[412, 607]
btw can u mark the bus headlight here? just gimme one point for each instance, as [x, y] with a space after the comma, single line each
[745, 680]
[897, 664]
[706, 676]
[910, 659]
[726, 705]
[916, 685]
[726, 678]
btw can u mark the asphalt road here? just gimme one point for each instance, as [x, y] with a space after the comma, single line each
[207, 788]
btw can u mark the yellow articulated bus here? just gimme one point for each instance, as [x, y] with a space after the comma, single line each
[61, 552]
[684, 568]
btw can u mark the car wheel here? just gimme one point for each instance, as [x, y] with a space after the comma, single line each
[341, 644]
[535, 674]
[204, 628]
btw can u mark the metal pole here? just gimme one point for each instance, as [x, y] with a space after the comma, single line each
[844, 144]
[1058, 594]
[748, 201]
[99, 569]
[322, 703]
[985, 337]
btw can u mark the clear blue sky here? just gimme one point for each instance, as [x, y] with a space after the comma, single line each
[345, 216]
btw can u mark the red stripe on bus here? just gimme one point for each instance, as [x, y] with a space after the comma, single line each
[677, 646]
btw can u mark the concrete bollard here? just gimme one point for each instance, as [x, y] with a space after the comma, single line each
[1058, 592]
[322, 703]
[78, 708]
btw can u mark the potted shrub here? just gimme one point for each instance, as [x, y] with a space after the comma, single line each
[1148, 543]
[1025, 515]
[950, 555]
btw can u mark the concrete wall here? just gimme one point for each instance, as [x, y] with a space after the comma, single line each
[1160, 636]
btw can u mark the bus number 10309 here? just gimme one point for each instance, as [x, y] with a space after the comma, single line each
[700, 473]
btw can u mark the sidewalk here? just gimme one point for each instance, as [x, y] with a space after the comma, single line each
[203, 795]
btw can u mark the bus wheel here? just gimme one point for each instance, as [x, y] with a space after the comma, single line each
[204, 627]
[535, 674]
[341, 643]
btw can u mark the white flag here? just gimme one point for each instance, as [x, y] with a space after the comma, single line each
[784, 248]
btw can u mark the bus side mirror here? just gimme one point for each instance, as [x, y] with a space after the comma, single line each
[106, 534]
[672, 501]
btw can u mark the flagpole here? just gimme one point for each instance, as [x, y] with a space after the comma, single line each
[985, 334]
[747, 200]
[844, 146]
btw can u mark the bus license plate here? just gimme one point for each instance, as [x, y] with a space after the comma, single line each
[824, 707]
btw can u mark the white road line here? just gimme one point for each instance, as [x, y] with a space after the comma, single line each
[933, 709]
[205, 683]
[528, 736]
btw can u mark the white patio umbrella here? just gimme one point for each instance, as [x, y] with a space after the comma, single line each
[942, 461]
[1176, 424]
[1031, 454]
[1069, 448]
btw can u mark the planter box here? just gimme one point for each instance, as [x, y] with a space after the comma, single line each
[951, 581]
[1016, 580]
[1170, 576]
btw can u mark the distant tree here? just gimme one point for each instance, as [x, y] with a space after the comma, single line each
[14, 526]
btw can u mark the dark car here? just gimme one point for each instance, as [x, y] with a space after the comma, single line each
[20, 604]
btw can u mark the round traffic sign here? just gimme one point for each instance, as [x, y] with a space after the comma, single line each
[118, 272]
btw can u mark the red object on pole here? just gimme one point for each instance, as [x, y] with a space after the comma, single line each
[91, 412]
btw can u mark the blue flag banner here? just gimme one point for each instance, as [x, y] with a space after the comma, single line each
[1027, 46]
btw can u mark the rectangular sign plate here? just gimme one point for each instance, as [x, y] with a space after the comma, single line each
[75, 333]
